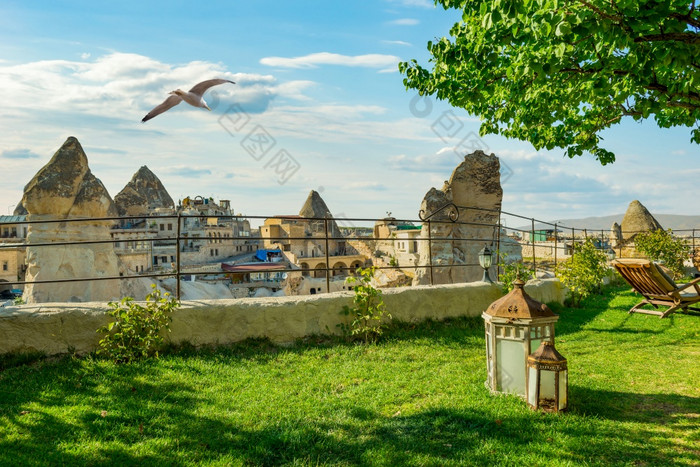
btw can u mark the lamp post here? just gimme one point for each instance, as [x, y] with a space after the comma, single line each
[485, 260]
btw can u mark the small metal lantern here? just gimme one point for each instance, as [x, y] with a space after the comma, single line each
[547, 379]
[486, 260]
[515, 326]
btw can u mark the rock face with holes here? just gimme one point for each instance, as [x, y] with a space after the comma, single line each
[143, 193]
[475, 189]
[65, 188]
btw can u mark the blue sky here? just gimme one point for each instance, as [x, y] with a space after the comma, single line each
[319, 104]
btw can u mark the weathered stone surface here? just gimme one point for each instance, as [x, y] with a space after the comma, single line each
[637, 219]
[59, 328]
[65, 188]
[19, 210]
[143, 192]
[475, 183]
[314, 206]
[615, 235]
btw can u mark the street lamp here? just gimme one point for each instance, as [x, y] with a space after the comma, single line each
[485, 260]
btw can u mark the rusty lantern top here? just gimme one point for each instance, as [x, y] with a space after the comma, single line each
[518, 305]
[547, 357]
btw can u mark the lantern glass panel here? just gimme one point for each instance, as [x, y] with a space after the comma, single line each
[534, 344]
[562, 389]
[547, 388]
[511, 368]
[532, 386]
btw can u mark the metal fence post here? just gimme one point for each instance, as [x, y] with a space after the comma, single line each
[532, 241]
[328, 272]
[498, 247]
[430, 251]
[573, 242]
[177, 256]
[556, 246]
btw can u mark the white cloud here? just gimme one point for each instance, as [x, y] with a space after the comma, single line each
[327, 58]
[122, 85]
[405, 22]
[85, 55]
[398, 43]
[367, 185]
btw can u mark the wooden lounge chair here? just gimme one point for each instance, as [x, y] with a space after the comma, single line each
[656, 286]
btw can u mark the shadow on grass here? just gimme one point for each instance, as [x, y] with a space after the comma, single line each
[142, 417]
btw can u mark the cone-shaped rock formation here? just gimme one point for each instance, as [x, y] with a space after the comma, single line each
[145, 191]
[637, 219]
[65, 188]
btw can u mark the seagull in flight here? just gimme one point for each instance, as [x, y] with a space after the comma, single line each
[192, 97]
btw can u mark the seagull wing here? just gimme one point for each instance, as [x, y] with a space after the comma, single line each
[167, 104]
[200, 88]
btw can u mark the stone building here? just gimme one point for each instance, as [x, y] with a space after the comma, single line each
[302, 238]
[13, 234]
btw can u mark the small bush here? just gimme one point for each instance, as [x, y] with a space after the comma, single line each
[368, 312]
[662, 245]
[584, 271]
[511, 271]
[137, 331]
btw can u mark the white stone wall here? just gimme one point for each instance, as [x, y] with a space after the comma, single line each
[59, 328]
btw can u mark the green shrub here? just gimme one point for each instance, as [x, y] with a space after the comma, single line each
[511, 271]
[584, 271]
[368, 312]
[137, 330]
[662, 245]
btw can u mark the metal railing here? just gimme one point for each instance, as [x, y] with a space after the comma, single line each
[432, 224]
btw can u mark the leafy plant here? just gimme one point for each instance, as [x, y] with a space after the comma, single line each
[393, 262]
[137, 330]
[368, 312]
[511, 271]
[18, 301]
[584, 271]
[662, 245]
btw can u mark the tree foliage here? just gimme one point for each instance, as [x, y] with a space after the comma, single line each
[556, 73]
[662, 245]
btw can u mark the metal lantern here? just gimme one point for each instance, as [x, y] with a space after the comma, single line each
[486, 260]
[547, 379]
[516, 325]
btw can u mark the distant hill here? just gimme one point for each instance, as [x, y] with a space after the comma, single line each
[668, 221]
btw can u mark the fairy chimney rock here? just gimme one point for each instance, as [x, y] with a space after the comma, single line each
[314, 206]
[144, 192]
[474, 183]
[637, 219]
[66, 188]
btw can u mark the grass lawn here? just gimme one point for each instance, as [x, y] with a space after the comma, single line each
[416, 398]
